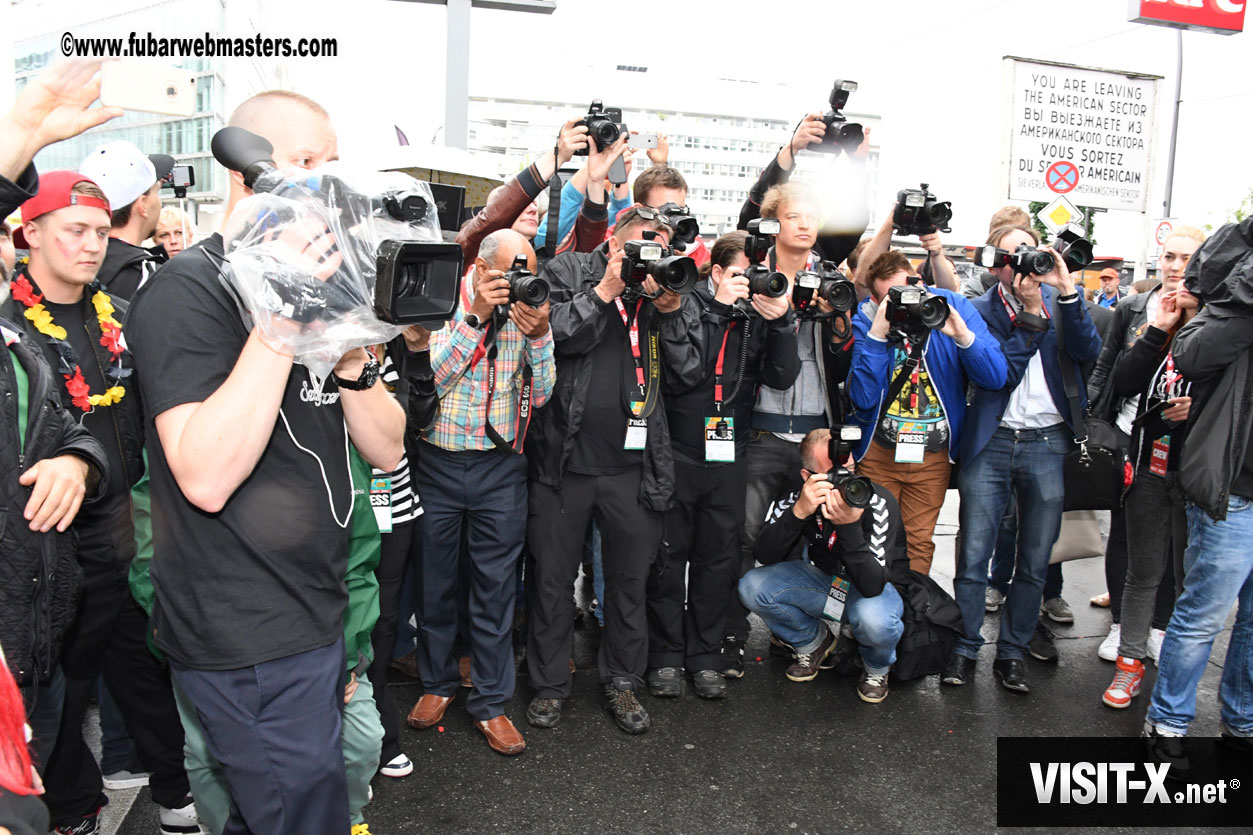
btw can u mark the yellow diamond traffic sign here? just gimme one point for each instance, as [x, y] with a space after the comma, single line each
[1059, 214]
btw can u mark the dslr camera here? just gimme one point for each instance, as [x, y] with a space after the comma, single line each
[856, 490]
[650, 258]
[841, 135]
[686, 229]
[604, 126]
[919, 213]
[911, 311]
[1026, 260]
[761, 279]
[525, 286]
[416, 282]
[829, 284]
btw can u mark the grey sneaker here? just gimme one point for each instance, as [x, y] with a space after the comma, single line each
[1058, 610]
[123, 779]
[992, 600]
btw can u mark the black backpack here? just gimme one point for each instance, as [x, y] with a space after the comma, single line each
[932, 624]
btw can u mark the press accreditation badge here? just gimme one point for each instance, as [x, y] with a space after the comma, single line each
[720, 439]
[381, 501]
[837, 596]
[911, 447]
[636, 434]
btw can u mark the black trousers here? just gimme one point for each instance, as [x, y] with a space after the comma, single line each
[484, 495]
[399, 547]
[630, 535]
[699, 565]
[109, 637]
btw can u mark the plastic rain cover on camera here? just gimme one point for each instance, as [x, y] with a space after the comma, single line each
[302, 252]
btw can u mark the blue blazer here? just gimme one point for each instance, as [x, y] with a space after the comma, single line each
[1083, 345]
[948, 366]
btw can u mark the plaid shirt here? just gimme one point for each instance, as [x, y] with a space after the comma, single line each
[462, 400]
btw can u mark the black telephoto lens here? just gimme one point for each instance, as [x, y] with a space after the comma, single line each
[763, 282]
[678, 273]
[933, 312]
[531, 290]
[939, 214]
[840, 294]
[857, 491]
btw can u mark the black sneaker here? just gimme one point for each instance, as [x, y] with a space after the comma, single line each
[89, 825]
[957, 670]
[620, 700]
[543, 713]
[1012, 674]
[1167, 748]
[709, 684]
[733, 657]
[1041, 645]
[665, 682]
[844, 659]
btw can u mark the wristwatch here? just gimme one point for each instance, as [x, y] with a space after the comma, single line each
[474, 321]
[369, 376]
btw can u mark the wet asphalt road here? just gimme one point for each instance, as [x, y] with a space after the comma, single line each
[774, 756]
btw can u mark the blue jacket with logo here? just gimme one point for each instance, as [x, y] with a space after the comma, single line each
[1083, 345]
[948, 366]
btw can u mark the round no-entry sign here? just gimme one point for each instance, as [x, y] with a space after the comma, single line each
[1061, 177]
[1163, 232]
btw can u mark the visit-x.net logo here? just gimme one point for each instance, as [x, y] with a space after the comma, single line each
[1090, 782]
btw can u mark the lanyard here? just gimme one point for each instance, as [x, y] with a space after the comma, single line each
[633, 331]
[913, 378]
[834, 534]
[722, 352]
[1013, 318]
[647, 389]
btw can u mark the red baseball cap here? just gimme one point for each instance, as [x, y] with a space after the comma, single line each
[1109, 272]
[55, 193]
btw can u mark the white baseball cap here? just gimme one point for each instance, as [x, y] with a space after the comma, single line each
[124, 172]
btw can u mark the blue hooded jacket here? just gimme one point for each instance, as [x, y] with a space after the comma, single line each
[948, 366]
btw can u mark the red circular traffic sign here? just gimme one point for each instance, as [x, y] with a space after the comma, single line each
[1163, 232]
[1062, 177]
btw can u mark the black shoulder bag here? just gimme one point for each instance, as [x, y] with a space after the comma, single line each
[1093, 472]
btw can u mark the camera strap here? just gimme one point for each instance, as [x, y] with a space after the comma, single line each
[718, 367]
[524, 399]
[555, 185]
[646, 389]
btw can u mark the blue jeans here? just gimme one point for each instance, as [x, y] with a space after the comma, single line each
[1002, 569]
[1025, 465]
[1218, 571]
[789, 597]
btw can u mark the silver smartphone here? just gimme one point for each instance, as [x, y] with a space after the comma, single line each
[150, 88]
[639, 141]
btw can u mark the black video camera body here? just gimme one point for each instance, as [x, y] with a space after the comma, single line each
[856, 490]
[911, 311]
[604, 126]
[842, 135]
[525, 286]
[651, 258]
[826, 282]
[919, 213]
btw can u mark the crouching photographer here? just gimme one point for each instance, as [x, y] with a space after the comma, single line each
[749, 339]
[914, 353]
[856, 543]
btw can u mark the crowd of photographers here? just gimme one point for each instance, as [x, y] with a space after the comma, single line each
[768, 425]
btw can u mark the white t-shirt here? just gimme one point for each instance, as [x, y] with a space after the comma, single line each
[1031, 405]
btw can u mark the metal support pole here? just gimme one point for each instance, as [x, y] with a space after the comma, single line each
[457, 76]
[1174, 127]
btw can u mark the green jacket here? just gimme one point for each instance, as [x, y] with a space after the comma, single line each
[363, 557]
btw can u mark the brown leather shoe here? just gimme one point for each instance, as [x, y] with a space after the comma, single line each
[463, 667]
[502, 735]
[428, 711]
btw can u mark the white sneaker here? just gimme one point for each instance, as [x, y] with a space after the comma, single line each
[1108, 651]
[123, 779]
[398, 766]
[180, 821]
[1156, 636]
[992, 600]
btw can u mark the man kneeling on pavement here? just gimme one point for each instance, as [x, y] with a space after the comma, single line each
[855, 560]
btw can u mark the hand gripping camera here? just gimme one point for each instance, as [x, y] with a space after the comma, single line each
[415, 281]
[856, 490]
[650, 258]
[919, 213]
[841, 135]
[911, 312]
[827, 283]
[604, 126]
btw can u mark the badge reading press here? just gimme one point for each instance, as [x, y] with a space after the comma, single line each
[720, 439]
[381, 501]
[837, 596]
[636, 434]
[911, 447]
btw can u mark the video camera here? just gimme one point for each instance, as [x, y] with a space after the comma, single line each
[919, 213]
[841, 135]
[650, 258]
[829, 284]
[686, 229]
[415, 281]
[856, 490]
[911, 311]
[525, 286]
[604, 126]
